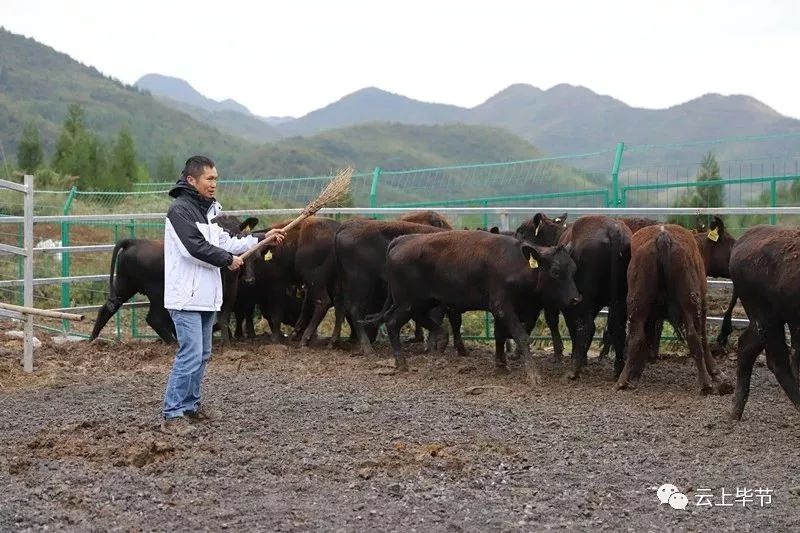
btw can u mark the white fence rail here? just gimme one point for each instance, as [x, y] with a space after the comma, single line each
[28, 282]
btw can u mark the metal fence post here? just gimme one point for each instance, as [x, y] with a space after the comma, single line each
[27, 358]
[65, 257]
[773, 200]
[615, 174]
[21, 262]
[373, 193]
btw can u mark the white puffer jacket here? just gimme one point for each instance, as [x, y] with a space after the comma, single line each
[194, 251]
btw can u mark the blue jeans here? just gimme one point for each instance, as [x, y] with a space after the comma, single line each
[193, 329]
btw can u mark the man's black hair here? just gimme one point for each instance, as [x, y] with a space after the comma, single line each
[195, 165]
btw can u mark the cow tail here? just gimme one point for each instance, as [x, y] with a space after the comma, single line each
[378, 318]
[120, 246]
[663, 253]
[616, 308]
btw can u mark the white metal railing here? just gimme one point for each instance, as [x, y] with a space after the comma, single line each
[503, 212]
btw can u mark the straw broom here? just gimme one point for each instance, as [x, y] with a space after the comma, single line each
[336, 189]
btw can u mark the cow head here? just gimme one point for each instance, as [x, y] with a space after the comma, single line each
[542, 230]
[231, 225]
[715, 246]
[556, 273]
[431, 218]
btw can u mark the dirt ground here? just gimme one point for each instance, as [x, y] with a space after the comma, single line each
[321, 439]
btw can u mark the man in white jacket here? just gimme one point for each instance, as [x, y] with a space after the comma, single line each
[194, 250]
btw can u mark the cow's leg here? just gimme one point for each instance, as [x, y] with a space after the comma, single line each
[618, 311]
[726, 327]
[158, 318]
[794, 332]
[322, 303]
[273, 310]
[583, 333]
[551, 317]
[500, 337]
[438, 338]
[355, 305]
[655, 328]
[338, 318]
[605, 344]
[395, 320]
[778, 360]
[120, 293]
[695, 343]
[455, 324]
[638, 345]
[307, 308]
[506, 313]
[721, 384]
[751, 343]
[239, 315]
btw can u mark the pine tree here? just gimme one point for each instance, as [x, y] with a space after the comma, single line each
[29, 149]
[124, 171]
[75, 147]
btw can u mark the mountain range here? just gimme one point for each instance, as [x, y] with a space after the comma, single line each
[561, 120]
[370, 127]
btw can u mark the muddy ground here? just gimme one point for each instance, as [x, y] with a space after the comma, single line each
[319, 439]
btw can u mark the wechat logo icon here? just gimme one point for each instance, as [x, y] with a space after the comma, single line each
[669, 494]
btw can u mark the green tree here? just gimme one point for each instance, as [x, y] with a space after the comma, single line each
[76, 148]
[703, 195]
[29, 150]
[123, 171]
[165, 168]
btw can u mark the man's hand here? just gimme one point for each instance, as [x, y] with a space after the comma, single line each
[236, 264]
[274, 236]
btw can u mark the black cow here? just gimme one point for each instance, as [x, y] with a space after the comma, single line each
[602, 251]
[231, 279]
[140, 269]
[360, 251]
[765, 270]
[475, 271]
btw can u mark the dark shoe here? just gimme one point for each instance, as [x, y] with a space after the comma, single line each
[203, 414]
[178, 425]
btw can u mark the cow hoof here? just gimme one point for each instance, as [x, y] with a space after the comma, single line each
[571, 375]
[463, 352]
[402, 367]
[624, 385]
[556, 357]
[501, 371]
[514, 356]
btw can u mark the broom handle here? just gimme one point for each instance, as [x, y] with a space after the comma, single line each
[286, 228]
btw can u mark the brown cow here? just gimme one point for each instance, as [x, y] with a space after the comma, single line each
[667, 280]
[636, 223]
[765, 270]
[429, 218]
[475, 271]
[360, 254]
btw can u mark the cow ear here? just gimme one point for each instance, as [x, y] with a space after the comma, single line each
[717, 224]
[248, 225]
[537, 219]
[535, 256]
[494, 229]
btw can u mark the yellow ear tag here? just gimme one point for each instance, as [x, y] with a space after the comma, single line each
[533, 263]
[268, 255]
[536, 233]
[298, 294]
[713, 235]
[247, 229]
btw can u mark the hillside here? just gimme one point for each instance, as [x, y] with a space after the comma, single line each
[399, 146]
[372, 105]
[567, 119]
[390, 146]
[38, 83]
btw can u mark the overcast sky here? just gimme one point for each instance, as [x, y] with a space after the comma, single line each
[291, 57]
